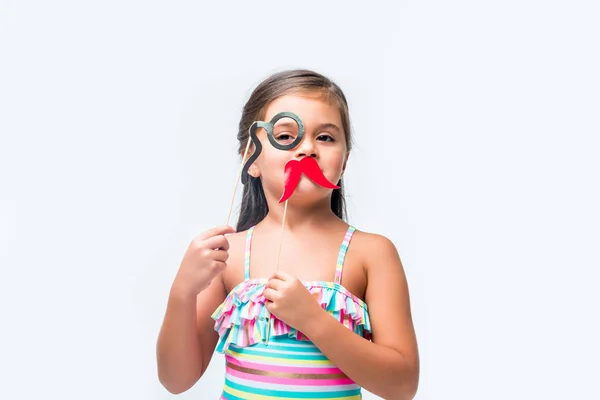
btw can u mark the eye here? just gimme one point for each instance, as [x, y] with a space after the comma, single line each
[326, 138]
[284, 138]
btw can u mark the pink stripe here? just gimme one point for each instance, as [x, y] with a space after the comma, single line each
[289, 381]
[280, 368]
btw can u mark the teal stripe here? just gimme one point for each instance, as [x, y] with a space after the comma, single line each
[281, 345]
[296, 395]
[277, 355]
[298, 350]
[281, 341]
[229, 396]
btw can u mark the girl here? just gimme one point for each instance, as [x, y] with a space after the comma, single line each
[321, 316]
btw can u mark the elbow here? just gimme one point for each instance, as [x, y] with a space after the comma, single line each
[404, 390]
[409, 391]
[177, 379]
[408, 385]
[174, 387]
[402, 394]
[178, 383]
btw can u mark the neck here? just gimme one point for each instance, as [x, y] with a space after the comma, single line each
[299, 217]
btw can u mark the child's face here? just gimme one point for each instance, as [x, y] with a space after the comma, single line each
[323, 140]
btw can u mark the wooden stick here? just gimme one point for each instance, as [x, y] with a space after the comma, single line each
[277, 265]
[281, 237]
[237, 181]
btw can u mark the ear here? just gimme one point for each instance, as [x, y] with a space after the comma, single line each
[254, 171]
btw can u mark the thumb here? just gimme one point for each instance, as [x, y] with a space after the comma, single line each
[282, 275]
[217, 230]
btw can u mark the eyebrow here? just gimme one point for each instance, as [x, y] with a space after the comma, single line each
[327, 125]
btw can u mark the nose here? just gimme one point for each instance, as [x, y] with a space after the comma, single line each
[306, 148]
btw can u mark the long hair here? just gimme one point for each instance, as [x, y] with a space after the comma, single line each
[254, 206]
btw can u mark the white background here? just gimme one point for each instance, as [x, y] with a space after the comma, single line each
[476, 125]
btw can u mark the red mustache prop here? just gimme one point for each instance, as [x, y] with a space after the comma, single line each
[293, 172]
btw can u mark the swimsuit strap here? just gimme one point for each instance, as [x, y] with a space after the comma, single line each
[247, 254]
[342, 254]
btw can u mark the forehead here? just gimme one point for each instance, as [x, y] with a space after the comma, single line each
[312, 108]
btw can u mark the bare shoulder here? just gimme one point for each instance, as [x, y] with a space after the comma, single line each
[375, 250]
[370, 239]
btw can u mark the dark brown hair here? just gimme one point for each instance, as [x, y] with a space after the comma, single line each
[254, 203]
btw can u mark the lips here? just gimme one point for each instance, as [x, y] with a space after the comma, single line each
[293, 172]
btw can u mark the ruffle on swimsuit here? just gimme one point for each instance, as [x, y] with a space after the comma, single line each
[242, 319]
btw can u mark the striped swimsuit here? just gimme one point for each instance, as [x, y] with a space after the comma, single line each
[284, 365]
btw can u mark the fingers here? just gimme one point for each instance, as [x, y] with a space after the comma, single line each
[270, 294]
[216, 267]
[217, 242]
[282, 275]
[271, 308]
[217, 230]
[274, 283]
[220, 255]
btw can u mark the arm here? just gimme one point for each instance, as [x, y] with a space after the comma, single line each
[388, 366]
[187, 339]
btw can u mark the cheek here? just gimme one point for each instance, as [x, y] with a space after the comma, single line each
[336, 160]
[272, 162]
